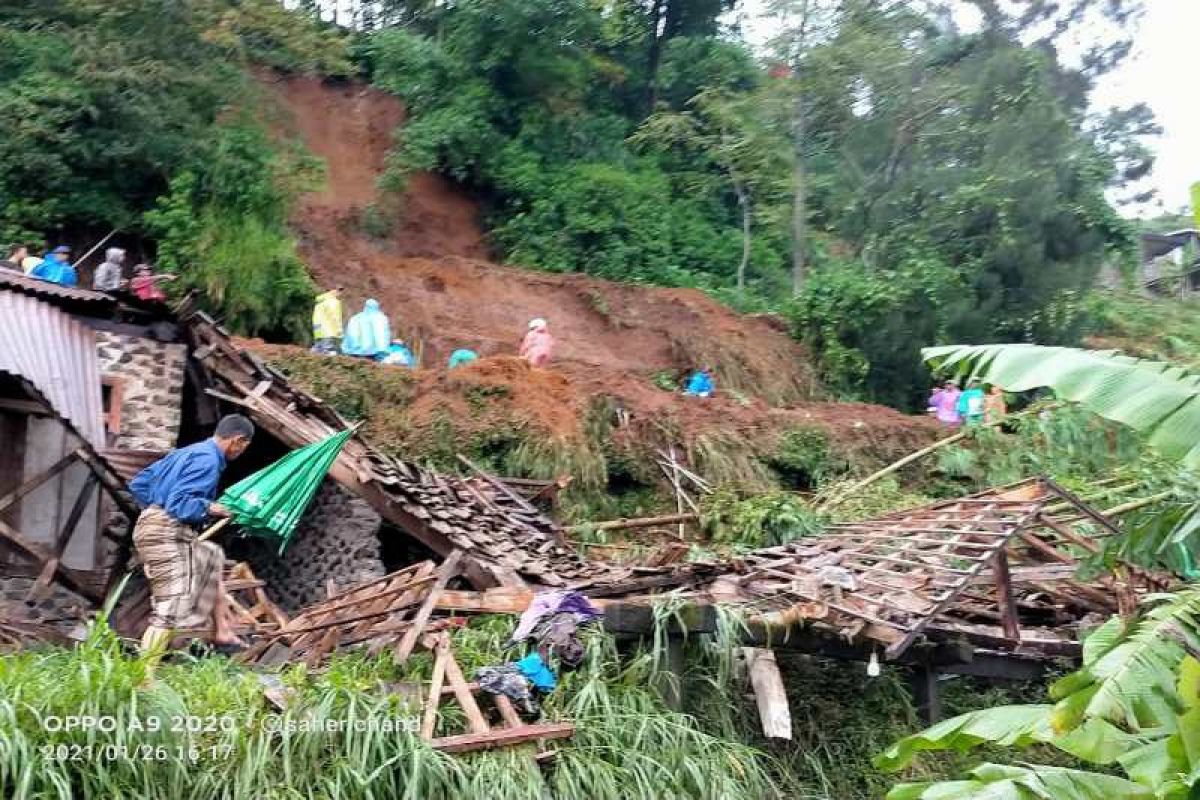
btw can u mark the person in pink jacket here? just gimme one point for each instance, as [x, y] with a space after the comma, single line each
[537, 344]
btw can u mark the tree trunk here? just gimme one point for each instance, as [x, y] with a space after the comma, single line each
[744, 202]
[656, 40]
[799, 200]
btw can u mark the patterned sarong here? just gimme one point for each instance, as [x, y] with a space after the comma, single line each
[183, 574]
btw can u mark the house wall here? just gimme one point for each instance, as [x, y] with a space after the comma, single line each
[338, 540]
[151, 378]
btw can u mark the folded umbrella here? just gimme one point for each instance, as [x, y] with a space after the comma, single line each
[271, 502]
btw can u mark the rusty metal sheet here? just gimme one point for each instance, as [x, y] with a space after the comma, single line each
[57, 354]
[53, 292]
[128, 463]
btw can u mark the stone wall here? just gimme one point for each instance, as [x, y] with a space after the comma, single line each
[338, 540]
[58, 607]
[151, 375]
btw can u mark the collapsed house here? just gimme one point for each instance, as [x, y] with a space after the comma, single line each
[92, 389]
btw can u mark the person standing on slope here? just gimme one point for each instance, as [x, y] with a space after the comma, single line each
[538, 344]
[327, 322]
[970, 403]
[943, 404]
[368, 334]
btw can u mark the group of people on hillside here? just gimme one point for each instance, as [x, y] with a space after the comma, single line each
[953, 406]
[368, 335]
[56, 266]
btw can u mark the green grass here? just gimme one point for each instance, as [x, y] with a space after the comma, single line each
[628, 745]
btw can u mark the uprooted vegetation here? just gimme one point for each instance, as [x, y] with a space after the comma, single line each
[543, 424]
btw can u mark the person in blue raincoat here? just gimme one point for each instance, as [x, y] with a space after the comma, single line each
[368, 333]
[700, 384]
[462, 356]
[56, 267]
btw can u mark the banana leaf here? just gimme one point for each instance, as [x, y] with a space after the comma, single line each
[270, 503]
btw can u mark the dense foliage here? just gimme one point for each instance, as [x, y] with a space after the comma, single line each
[954, 184]
[112, 108]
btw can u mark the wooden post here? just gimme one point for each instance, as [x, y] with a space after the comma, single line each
[447, 571]
[1004, 596]
[926, 697]
[769, 694]
[669, 681]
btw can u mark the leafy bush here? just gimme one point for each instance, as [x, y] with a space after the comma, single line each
[763, 520]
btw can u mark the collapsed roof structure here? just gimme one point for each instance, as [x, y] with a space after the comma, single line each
[999, 571]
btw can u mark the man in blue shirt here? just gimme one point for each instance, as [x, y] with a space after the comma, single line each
[185, 575]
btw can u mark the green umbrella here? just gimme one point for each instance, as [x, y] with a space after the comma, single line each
[270, 502]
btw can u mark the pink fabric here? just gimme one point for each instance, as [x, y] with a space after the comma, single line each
[537, 347]
[145, 287]
[944, 402]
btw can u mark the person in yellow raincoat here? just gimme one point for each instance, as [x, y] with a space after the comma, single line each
[327, 322]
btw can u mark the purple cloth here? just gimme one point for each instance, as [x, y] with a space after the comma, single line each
[547, 603]
[944, 402]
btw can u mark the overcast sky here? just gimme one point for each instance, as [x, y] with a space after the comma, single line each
[1166, 43]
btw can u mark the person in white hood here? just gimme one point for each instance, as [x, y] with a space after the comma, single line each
[108, 277]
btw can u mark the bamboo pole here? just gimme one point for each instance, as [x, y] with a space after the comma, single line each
[918, 455]
[636, 522]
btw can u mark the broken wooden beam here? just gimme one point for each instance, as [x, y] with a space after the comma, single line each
[503, 737]
[773, 711]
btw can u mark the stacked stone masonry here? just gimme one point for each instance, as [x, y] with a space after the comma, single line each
[59, 606]
[151, 378]
[338, 540]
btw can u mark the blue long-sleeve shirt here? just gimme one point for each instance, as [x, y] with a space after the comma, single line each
[183, 483]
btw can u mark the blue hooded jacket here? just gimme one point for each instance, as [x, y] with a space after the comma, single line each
[55, 270]
[699, 383]
[368, 332]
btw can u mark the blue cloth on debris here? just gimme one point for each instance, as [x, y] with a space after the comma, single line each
[182, 483]
[536, 671]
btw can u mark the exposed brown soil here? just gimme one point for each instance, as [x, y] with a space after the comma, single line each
[423, 256]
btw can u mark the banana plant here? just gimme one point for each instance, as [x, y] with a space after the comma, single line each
[1134, 705]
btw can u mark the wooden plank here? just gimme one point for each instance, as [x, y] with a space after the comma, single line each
[69, 578]
[81, 502]
[476, 722]
[509, 714]
[773, 711]
[37, 480]
[429, 720]
[1004, 597]
[42, 584]
[499, 486]
[501, 600]
[503, 737]
[447, 571]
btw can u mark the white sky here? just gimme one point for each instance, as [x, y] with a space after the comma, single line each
[1160, 72]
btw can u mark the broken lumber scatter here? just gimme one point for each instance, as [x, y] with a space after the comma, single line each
[481, 735]
[391, 611]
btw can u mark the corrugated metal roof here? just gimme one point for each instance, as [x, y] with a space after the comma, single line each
[52, 292]
[128, 463]
[57, 354]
